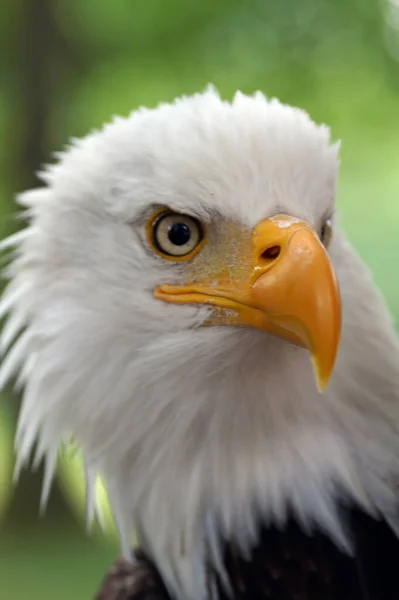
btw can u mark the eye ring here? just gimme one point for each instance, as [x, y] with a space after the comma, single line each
[174, 236]
[326, 232]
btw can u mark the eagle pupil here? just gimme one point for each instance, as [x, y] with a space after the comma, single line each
[179, 234]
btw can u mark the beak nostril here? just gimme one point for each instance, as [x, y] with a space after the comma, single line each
[271, 253]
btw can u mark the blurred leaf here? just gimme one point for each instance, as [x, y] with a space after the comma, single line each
[71, 476]
[6, 460]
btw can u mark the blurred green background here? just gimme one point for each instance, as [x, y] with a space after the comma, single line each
[68, 65]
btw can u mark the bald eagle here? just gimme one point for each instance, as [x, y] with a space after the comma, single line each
[184, 306]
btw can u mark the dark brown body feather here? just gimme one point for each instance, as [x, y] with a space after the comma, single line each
[288, 565]
[132, 581]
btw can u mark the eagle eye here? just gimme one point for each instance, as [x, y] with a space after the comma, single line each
[175, 236]
[326, 232]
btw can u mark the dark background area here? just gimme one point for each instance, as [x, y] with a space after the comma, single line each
[66, 66]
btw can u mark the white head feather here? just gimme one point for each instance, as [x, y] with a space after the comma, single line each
[198, 433]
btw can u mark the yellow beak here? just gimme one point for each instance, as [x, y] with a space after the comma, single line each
[290, 291]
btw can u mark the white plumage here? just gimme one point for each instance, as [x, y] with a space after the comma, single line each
[198, 432]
